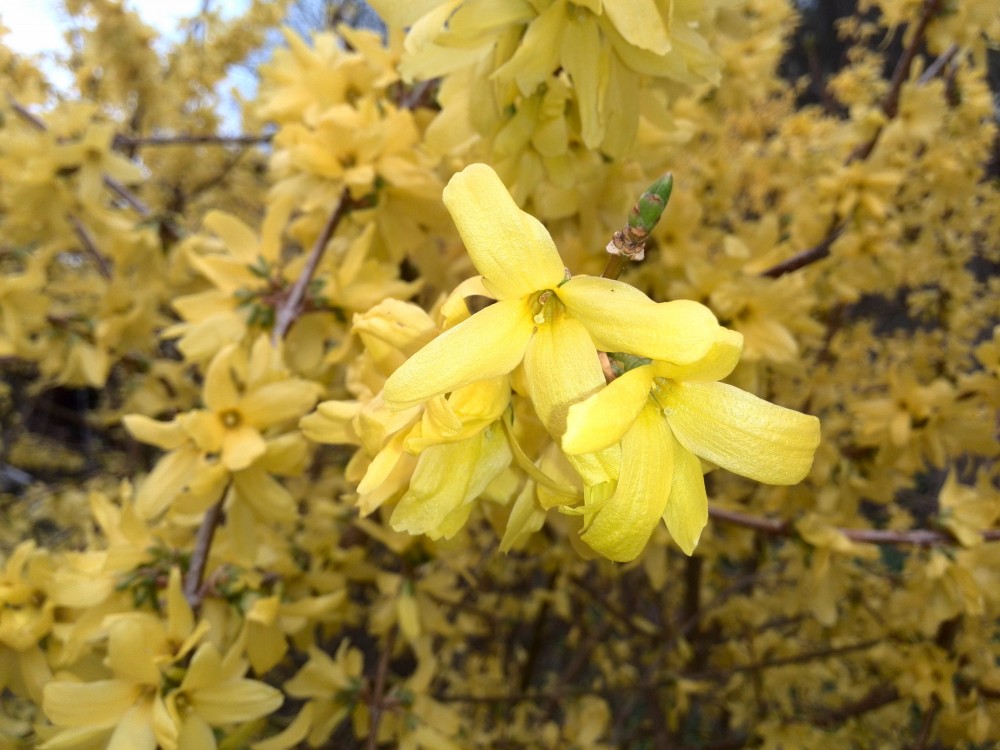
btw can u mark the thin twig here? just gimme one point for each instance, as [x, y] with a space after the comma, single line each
[114, 185]
[375, 704]
[199, 556]
[935, 68]
[292, 304]
[36, 122]
[128, 196]
[890, 106]
[911, 537]
[87, 240]
[191, 139]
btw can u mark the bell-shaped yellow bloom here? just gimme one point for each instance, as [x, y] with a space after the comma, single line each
[666, 416]
[551, 323]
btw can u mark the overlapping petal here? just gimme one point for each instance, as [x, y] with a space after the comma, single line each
[740, 432]
[604, 418]
[489, 344]
[686, 514]
[510, 248]
[620, 318]
[562, 369]
[623, 525]
[720, 360]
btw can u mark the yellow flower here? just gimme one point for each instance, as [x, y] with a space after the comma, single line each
[151, 700]
[666, 417]
[551, 323]
[249, 397]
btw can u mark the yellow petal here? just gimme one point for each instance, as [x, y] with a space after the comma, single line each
[562, 369]
[240, 239]
[718, 362]
[270, 501]
[165, 435]
[623, 525]
[510, 248]
[537, 55]
[219, 391]
[171, 473]
[235, 701]
[134, 730]
[292, 735]
[448, 476]
[740, 432]
[603, 419]
[131, 642]
[620, 318]
[275, 402]
[332, 422]
[100, 703]
[640, 22]
[180, 618]
[585, 57]
[489, 344]
[687, 509]
[196, 734]
[241, 447]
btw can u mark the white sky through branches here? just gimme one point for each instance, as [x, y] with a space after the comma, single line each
[36, 27]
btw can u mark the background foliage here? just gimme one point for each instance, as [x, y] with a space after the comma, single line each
[204, 576]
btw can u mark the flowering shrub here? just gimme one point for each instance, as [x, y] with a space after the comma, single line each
[429, 414]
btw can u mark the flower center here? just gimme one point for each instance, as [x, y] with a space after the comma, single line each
[231, 419]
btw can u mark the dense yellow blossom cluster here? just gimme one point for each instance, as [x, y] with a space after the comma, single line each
[335, 433]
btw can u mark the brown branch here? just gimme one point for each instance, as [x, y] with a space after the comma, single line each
[36, 122]
[114, 185]
[190, 139]
[199, 556]
[779, 527]
[876, 698]
[804, 257]
[890, 106]
[87, 240]
[128, 196]
[935, 68]
[292, 305]
[376, 706]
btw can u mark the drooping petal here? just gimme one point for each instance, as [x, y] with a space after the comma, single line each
[687, 509]
[270, 501]
[717, 363]
[449, 476]
[740, 432]
[134, 730]
[196, 734]
[489, 344]
[620, 318]
[561, 368]
[604, 418]
[510, 248]
[623, 525]
[585, 57]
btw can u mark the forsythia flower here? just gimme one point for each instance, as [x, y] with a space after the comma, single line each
[668, 415]
[551, 323]
[151, 700]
